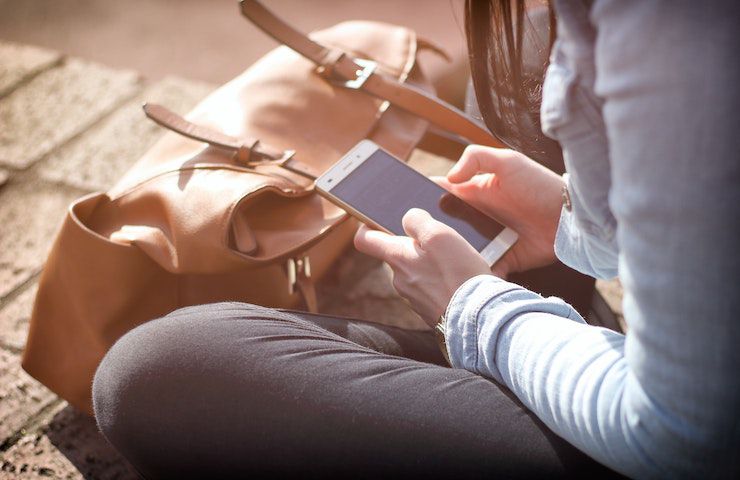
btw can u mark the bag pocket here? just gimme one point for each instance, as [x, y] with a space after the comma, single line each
[271, 224]
[91, 292]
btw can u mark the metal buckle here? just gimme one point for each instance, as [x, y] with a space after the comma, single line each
[362, 74]
[292, 277]
[295, 267]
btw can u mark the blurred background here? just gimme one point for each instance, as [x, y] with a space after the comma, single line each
[209, 41]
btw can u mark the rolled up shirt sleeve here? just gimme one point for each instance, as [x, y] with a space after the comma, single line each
[570, 374]
[580, 250]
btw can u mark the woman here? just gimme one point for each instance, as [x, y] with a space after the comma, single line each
[642, 97]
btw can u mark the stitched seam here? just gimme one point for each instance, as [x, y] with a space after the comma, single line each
[410, 55]
[477, 314]
[167, 173]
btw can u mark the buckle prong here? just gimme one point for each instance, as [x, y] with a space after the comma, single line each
[362, 74]
[295, 267]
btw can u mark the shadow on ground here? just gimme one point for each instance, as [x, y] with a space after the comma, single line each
[77, 437]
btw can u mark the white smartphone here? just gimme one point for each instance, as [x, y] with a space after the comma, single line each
[379, 189]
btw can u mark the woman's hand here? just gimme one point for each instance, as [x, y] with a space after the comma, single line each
[434, 260]
[428, 265]
[517, 191]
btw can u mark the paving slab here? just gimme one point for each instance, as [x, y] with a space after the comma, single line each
[362, 287]
[99, 157]
[363, 301]
[70, 447]
[21, 397]
[21, 62]
[56, 105]
[14, 318]
[30, 213]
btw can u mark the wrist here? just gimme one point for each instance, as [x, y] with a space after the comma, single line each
[557, 201]
[440, 332]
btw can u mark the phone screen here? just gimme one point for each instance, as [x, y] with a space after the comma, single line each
[384, 189]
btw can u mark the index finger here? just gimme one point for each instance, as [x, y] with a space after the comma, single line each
[381, 245]
[476, 159]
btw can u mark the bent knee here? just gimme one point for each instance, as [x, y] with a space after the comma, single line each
[129, 367]
[223, 310]
[151, 362]
[169, 381]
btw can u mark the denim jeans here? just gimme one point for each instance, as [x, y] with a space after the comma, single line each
[231, 389]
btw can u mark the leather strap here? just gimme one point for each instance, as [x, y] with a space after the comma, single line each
[308, 292]
[356, 73]
[169, 119]
[425, 44]
[248, 151]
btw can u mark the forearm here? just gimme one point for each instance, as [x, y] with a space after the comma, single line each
[573, 376]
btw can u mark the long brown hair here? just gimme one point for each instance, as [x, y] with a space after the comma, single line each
[509, 95]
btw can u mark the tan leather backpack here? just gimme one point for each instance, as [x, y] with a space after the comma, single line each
[223, 207]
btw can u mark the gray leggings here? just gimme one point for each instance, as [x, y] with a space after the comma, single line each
[229, 390]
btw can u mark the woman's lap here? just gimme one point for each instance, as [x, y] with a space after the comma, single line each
[234, 388]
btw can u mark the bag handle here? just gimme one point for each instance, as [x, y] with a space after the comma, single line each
[361, 74]
[248, 151]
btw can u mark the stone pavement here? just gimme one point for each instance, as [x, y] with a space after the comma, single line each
[69, 127]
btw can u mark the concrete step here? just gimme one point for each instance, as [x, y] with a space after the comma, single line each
[21, 397]
[19, 63]
[56, 105]
[30, 213]
[68, 446]
[96, 159]
[15, 312]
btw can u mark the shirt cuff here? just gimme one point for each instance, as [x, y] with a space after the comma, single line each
[478, 316]
[462, 315]
[581, 248]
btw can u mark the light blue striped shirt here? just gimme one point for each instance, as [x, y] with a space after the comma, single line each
[644, 97]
